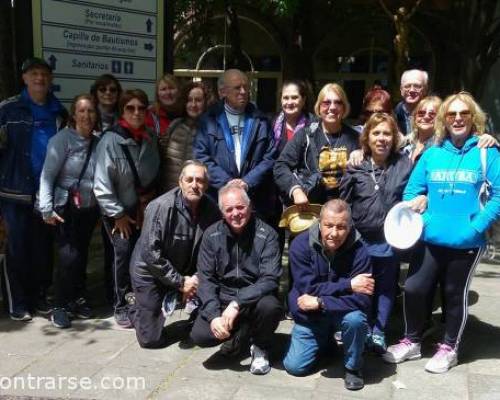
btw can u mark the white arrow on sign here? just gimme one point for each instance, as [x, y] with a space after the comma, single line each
[92, 17]
[83, 40]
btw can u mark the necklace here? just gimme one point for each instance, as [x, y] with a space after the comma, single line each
[333, 145]
[372, 174]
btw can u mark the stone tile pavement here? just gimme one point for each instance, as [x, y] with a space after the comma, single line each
[98, 360]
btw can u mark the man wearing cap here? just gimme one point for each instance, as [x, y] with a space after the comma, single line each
[163, 263]
[239, 269]
[27, 122]
[234, 142]
[332, 288]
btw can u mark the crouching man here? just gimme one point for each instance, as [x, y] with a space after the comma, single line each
[163, 263]
[332, 285]
[239, 269]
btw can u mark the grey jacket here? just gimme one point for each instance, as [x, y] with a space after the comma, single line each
[168, 246]
[114, 185]
[66, 154]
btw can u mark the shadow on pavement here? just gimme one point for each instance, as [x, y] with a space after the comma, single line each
[481, 341]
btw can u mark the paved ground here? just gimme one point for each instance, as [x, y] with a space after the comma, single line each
[101, 355]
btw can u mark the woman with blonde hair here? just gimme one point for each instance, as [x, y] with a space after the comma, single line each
[451, 174]
[311, 165]
[423, 136]
[166, 106]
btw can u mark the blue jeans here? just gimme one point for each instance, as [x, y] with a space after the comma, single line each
[311, 338]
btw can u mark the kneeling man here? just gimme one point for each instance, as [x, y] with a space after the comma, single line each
[332, 285]
[239, 269]
[163, 263]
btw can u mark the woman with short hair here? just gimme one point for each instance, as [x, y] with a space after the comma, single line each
[372, 188]
[66, 200]
[126, 171]
[107, 90]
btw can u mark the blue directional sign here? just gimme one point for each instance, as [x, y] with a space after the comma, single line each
[86, 38]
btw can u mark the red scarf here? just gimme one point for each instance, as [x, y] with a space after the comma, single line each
[137, 133]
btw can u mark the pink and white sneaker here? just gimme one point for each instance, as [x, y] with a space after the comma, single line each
[444, 359]
[404, 350]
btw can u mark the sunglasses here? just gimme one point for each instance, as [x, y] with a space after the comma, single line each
[423, 113]
[110, 89]
[132, 109]
[452, 115]
[328, 103]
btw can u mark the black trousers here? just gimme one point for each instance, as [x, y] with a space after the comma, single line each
[108, 264]
[72, 241]
[263, 319]
[122, 249]
[146, 315]
[29, 259]
[454, 268]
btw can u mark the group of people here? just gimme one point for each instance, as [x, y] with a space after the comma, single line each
[190, 190]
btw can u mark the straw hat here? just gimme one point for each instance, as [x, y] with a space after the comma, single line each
[299, 220]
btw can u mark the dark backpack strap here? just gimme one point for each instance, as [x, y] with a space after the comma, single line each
[126, 151]
[87, 160]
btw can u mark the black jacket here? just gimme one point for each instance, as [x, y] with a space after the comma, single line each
[297, 165]
[242, 267]
[168, 246]
[370, 206]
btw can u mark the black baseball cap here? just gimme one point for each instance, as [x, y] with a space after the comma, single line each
[34, 62]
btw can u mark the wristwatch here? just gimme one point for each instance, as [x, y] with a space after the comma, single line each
[321, 304]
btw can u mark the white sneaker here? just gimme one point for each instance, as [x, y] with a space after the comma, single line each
[404, 350]
[444, 359]
[260, 361]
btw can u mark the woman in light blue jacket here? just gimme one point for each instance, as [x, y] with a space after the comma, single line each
[451, 174]
[66, 200]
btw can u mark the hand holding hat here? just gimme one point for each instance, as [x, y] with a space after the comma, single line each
[298, 219]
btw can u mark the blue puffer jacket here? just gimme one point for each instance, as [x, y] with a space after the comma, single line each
[212, 145]
[327, 276]
[17, 181]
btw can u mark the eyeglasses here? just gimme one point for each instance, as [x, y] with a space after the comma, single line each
[452, 115]
[132, 109]
[415, 86]
[110, 89]
[423, 113]
[328, 103]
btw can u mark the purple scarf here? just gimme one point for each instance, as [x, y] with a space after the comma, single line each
[280, 121]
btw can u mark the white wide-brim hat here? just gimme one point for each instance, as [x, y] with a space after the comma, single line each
[402, 226]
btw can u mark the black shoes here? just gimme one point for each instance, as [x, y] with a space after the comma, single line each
[80, 308]
[60, 318]
[353, 380]
[239, 340]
